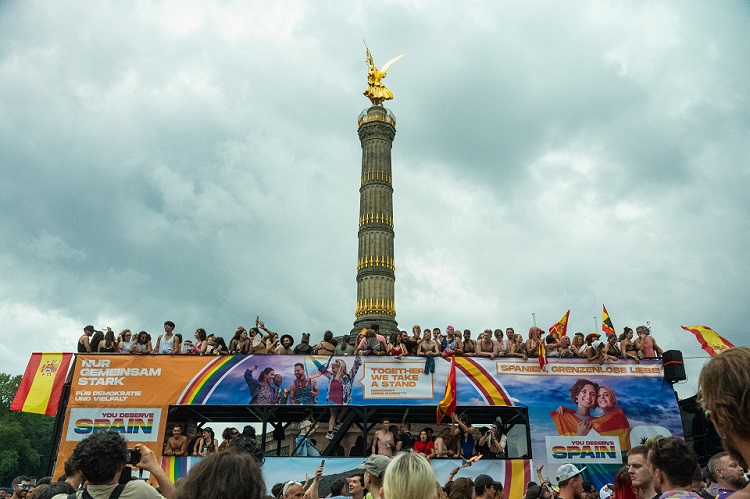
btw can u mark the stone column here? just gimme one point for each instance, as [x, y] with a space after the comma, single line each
[375, 266]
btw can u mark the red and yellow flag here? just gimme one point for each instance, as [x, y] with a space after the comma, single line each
[542, 356]
[607, 326]
[709, 339]
[561, 327]
[447, 406]
[42, 383]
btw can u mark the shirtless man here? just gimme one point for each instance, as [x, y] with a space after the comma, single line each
[176, 444]
[428, 348]
[83, 342]
[486, 346]
[646, 344]
[286, 346]
[437, 336]
[470, 345]
[383, 443]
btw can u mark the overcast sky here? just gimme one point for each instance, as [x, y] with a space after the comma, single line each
[199, 162]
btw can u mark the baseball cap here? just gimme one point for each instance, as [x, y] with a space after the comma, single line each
[567, 471]
[606, 491]
[596, 344]
[484, 480]
[375, 465]
[592, 336]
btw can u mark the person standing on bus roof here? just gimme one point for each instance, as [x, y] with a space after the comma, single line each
[167, 343]
[84, 346]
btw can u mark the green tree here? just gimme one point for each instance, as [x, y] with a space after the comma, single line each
[25, 439]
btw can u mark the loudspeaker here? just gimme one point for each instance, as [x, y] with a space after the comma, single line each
[674, 369]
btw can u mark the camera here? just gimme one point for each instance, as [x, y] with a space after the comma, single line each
[133, 457]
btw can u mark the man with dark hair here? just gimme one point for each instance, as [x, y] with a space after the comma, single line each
[21, 486]
[303, 391]
[102, 457]
[167, 343]
[73, 475]
[487, 488]
[177, 444]
[673, 464]
[286, 345]
[337, 489]
[727, 473]
[589, 491]
[83, 342]
[405, 438]
[570, 481]
[357, 486]
[382, 442]
[248, 443]
[640, 472]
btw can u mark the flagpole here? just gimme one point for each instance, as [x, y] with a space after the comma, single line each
[596, 324]
[533, 316]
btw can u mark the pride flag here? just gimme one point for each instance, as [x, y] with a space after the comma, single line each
[607, 326]
[709, 339]
[42, 383]
[448, 404]
[561, 327]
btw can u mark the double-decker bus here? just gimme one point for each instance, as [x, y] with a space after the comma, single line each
[570, 411]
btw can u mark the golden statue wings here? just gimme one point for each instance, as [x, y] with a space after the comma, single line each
[376, 91]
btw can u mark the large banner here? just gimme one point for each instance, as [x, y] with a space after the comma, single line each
[578, 412]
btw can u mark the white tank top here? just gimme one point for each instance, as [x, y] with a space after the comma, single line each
[166, 346]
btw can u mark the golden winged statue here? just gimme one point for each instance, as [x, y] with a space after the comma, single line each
[376, 91]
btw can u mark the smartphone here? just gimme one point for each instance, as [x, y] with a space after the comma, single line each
[322, 463]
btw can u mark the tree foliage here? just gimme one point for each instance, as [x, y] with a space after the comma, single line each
[25, 439]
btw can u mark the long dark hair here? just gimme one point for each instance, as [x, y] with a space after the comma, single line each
[264, 373]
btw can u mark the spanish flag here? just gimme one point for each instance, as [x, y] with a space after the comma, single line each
[710, 341]
[561, 327]
[607, 326]
[42, 383]
[448, 404]
[542, 356]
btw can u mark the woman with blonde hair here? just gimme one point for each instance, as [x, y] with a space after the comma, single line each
[409, 476]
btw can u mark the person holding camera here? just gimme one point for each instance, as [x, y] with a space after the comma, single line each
[102, 457]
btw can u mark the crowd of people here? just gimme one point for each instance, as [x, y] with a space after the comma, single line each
[664, 468]
[428, 343]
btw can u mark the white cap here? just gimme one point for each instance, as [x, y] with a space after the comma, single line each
[567, 471]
